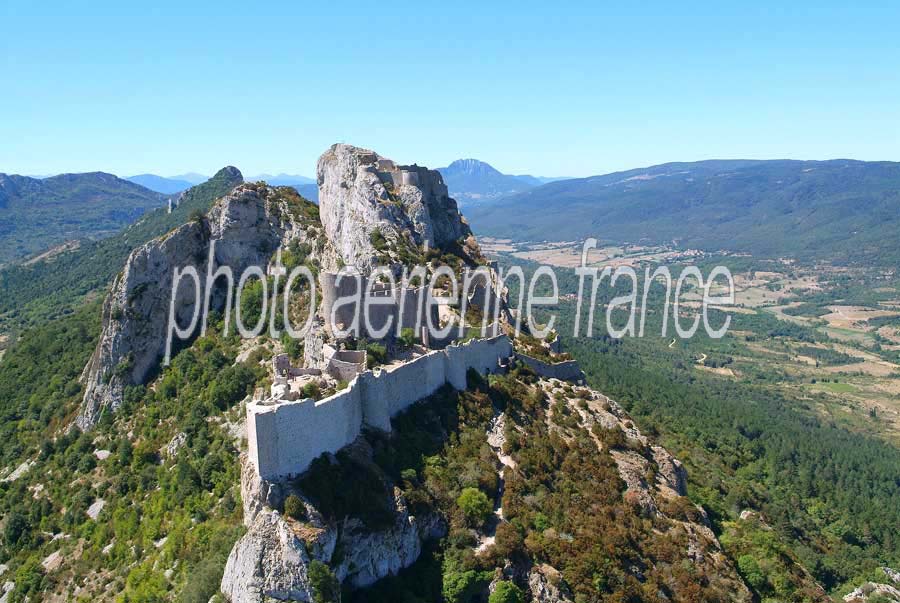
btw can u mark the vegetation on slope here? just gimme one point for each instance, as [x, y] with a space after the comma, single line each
[563, 503]
[839, 210]
[169, 485]
[50, 288]
[36, 214]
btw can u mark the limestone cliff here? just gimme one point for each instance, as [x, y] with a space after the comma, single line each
[244, 228]
[272, 559]
[372, 208]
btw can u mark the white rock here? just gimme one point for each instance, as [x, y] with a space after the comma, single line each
[269, 561]
[175, 444]
[361, 192]
[52, 561]
[872, 590]
[94, 510]
[246, 226]
[19, 471]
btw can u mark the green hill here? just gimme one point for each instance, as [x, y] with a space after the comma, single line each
[840, 210]
[53, 287]
[38, 213]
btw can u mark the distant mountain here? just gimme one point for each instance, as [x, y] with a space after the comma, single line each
[29, 292]
[160, 184]
[310, 191]
[471, 181]
[837, 210]
[192, 177]
[282, 179]
[38, 213]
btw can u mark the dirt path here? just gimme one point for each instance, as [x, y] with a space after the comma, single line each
[496, 440]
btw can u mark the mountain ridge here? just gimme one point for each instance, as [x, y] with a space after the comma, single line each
[834, 209]
[160, 184]
[475, 181]
[37, 213]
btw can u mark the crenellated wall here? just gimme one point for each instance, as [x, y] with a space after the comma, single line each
[284, 437]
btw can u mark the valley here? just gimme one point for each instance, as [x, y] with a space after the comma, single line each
[844, 356]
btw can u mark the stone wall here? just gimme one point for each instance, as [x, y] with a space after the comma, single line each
[347, 364]
[567, 370]
[408, 310]
[285, 437]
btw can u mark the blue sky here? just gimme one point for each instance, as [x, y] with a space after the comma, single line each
[543, 88]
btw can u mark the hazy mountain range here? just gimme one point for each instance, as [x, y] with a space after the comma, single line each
[167, 186]
[472, 181]
[839, 209]
[176, 184]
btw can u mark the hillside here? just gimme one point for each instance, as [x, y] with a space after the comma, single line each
[36, 214]
[53, 286]
[146, 504]
[839, 210]
[515, 482]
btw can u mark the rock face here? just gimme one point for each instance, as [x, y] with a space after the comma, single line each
[272, 559]
[361, 192]
[268, 562]
[244, 229]
[872, 591]
[546, 586]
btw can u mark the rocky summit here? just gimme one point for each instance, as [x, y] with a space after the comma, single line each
[244, 229]
[369, 204]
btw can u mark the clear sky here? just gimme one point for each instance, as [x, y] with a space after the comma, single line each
[548, 88]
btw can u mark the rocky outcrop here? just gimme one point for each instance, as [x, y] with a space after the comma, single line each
[268, 562]
[369, 204]
[872, 591]
[546, 586]
[244, 228]
[272, 559]
[877, 591]
[370, 556]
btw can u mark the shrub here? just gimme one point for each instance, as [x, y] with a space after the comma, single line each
[311, 390]
[506, 592]
[326, 588]
[376, 354]
[475, 505]
[293, 507]
[16, 527]
[407, 337]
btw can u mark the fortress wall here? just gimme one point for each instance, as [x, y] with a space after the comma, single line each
[343, 370]
[479, 354]
[302, 372]
[379, 316]
[284, 438]
[391, 390]
[404, 312]
[349, 287]
[564, 371]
